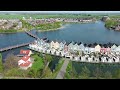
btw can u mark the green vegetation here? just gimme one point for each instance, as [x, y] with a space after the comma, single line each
[111, 23]
[8, 31]
[68, 74]
[117, 73]
[1, 64]
[49, 26]
[39, 16]
[37, 66]
[42, 27]
[75, 70]
[40, 67]
[26, 25]
[92, 71]
[57, 69]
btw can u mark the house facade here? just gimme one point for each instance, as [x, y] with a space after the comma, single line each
[25, 62]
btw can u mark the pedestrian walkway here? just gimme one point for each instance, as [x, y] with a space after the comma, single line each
[63, 69]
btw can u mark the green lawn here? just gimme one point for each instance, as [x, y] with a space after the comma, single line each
[38, 63]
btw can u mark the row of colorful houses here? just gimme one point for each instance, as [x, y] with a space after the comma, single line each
[72, 46]
[70, 50]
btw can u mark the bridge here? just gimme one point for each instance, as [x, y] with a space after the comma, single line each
[32, 35]
[20, 45]
[15, 46]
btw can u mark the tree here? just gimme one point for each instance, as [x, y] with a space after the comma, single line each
[97, 73]
[111, 23]
[85, 72]
[34, 73]
[47, 73]
[108, 75]
[11, 62]
[47, 59]
[1, 64]
[117, 74]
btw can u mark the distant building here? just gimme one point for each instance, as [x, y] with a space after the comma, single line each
[23, 18]
[105, 18]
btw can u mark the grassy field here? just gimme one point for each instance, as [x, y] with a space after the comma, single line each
[20, 16]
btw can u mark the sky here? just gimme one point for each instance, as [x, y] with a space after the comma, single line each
[59, 11]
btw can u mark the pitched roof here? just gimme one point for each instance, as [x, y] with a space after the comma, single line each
[82, 45]
[25, 58]
[26, 52]
[25, 64]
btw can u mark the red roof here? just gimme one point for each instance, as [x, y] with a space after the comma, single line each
[26, 52]
[25, 64]
[25, 58]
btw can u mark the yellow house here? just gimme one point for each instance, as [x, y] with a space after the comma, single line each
[56, 45]
[97, 48]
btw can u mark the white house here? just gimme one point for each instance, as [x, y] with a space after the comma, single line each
[117, 49]
[52, 44]
[76, 47]
[83, 59]
[82, 47]
[25, 62]
[113, 48]
[91, 49]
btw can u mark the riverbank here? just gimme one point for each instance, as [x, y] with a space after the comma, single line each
[62, 26]
[16, 31]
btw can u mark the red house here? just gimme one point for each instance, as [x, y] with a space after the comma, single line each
[25, 62]
[103, 50]
[66, 48]
[26, 65]
[25, 52]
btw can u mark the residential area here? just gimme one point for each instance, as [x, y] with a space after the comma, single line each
[78, 51]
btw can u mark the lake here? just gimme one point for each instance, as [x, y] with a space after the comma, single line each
[86, 33]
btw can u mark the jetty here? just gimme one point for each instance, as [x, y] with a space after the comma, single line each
[15, 46]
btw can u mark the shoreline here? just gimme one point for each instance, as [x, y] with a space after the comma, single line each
[62, 26]
[17, 31]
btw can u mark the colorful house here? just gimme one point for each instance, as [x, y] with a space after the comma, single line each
[71, 45]
[25, 52]
[103, 50]
[86, 50]
[97, 48]
[56, 45]
[61, 46]
[113, 48]
[66, 47]
[117, 49]
[76, 47]
[25, 62]
[52, 44]
[91, 49]
[82, 47]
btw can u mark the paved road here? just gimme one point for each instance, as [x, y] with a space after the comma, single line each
[62, 70]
